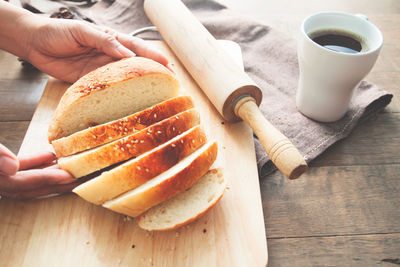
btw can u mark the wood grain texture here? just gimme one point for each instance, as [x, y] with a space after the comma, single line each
[375, 141]
[19, 87]
[351, 191]
[370, 250]
[67, 231]
[372, 147]
[338, 200]
[12, 133]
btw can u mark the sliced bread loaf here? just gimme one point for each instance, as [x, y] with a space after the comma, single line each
[111, 92]
[137, 171]
[187, 206]
[130, 146]
[110, 131]
[166, 185]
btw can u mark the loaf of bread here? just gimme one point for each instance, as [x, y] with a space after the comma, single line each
[108, 132]
[126, 121]
[166, 185]
[137, 171]
[111, 92]
[187, 206]
[130, 146]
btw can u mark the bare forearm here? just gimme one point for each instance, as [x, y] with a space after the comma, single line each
[16, 26]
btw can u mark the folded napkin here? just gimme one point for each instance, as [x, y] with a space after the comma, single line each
[270, 59]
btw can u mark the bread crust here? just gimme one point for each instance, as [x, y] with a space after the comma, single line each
[130, 146]
[137, 171]
[134, 205]
[101, 79]
[108, 132]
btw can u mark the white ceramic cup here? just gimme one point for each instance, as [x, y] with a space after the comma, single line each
[327, 77]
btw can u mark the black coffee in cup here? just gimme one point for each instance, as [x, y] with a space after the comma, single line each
[338, 40]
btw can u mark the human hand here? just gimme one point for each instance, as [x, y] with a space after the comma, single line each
[68, 49]
[30, 177]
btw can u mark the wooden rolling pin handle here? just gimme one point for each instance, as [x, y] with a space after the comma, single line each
[280, 150]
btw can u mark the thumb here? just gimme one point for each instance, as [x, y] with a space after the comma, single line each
[9, 163]
[104, 41]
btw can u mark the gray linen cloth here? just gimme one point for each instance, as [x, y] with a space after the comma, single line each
[270, 59]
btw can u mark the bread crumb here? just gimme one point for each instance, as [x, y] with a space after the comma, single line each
[87, 243]
[176, 117]
[141, 141]
[193, 141]
[173, 145]
[147, 170]
[110, 137]
[155, 115]
[182, 141]
[128, 145]
[173, 128]
[122, 149]
[94, 136]
[138, 167]
[159, 132]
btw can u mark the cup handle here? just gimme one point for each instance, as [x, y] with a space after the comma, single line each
[361, 16]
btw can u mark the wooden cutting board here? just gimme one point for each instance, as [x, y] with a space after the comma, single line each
[68, 231]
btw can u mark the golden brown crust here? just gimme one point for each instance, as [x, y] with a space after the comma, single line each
[101, 79]
[137, 204]
[138, 171]
[108, 132]
[130, 146]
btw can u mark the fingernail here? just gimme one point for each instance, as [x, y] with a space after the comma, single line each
[8, 165]
[125, 52]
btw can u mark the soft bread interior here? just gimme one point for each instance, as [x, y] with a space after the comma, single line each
[132, 145]
[187, 205]
[135, 202]
[111, 131]
[137, 171]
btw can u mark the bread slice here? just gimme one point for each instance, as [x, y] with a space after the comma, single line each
[166, 185]
[187, 206]
[108, 132]
[130, 146]
[136, 172]
[111, 92]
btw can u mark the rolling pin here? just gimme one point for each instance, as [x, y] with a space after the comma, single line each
[228, 87]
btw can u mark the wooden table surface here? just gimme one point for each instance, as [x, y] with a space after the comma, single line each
[346, 209]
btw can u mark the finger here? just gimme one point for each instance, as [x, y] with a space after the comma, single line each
[43, 191]
[142, 48]
[33, 179]
[41, 158]
[104, 41]
[8, 161]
